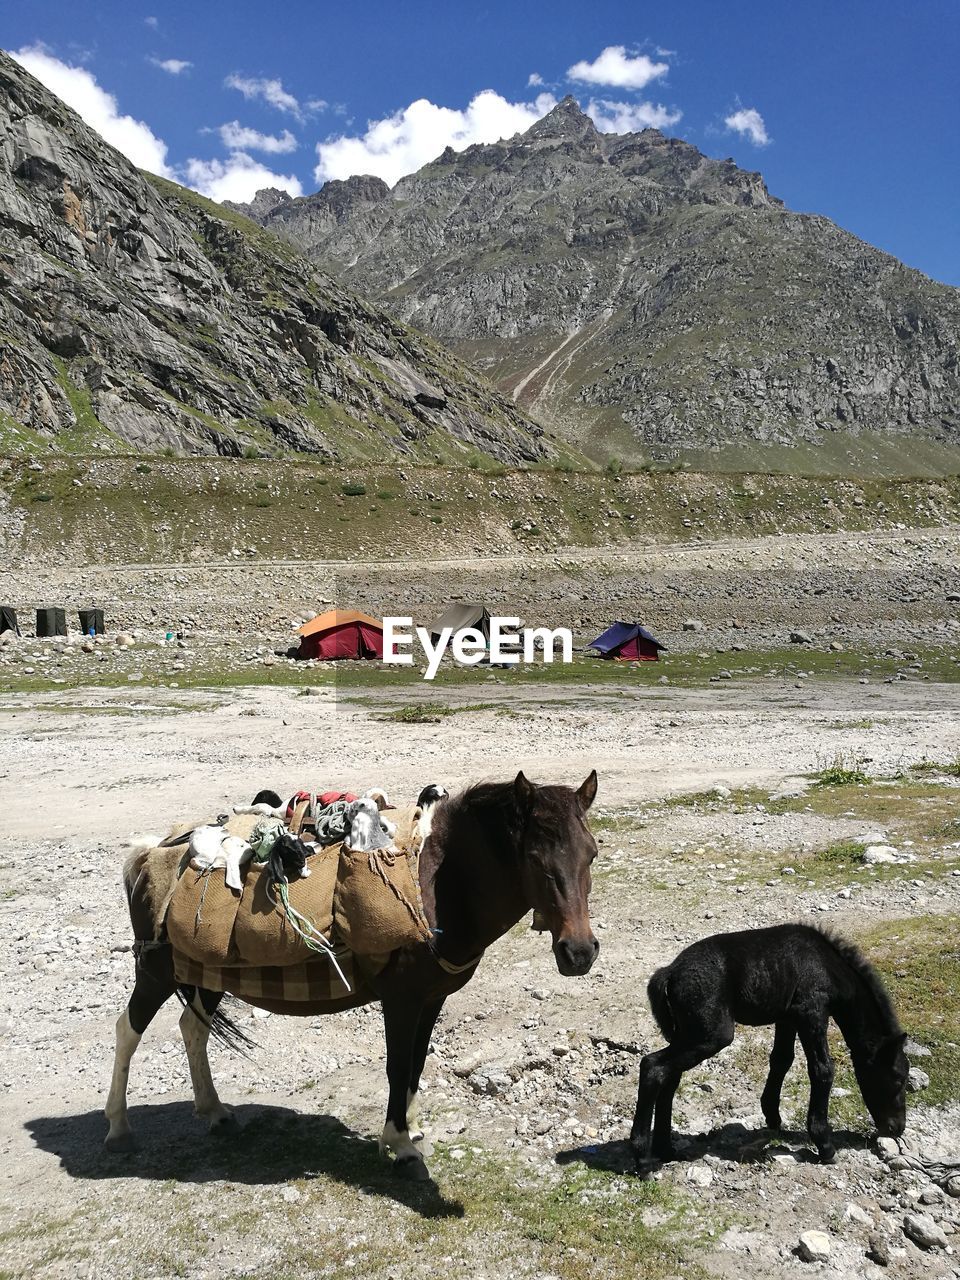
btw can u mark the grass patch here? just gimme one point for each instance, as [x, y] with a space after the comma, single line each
[919, 959]
[842, 771]
[432, 713]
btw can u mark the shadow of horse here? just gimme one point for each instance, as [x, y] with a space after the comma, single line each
[731, 1141]
[269, 1144]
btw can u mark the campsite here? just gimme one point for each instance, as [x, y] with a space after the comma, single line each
[740, 779]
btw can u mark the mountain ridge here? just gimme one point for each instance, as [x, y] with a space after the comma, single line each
[137, 315]
[641, 297]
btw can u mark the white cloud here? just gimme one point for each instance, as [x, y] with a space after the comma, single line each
[749, 123]
[614, 66]
[401, 143]
[270, 91]
[79, 90]
[152, 22]
[239, 178]
[534, 80]
[237, 137]
[629, 117]
[173, 66]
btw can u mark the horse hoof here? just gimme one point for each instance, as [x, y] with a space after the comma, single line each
[827, 1155]
[120, 1142]
[411, 1169]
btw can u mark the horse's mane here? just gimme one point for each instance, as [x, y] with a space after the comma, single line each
[482, 798]
[865, 971]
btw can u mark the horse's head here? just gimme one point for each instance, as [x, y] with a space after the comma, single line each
[557, 850]
[882, 1077]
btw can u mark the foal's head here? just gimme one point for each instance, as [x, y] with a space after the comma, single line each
[556, 852]
[882, 1077]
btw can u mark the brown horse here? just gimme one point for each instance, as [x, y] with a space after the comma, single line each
[493, 853]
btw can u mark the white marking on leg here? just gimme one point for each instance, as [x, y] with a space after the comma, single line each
[397, 1141]
[116, 1108]
[196, 1032]
[413, 1114]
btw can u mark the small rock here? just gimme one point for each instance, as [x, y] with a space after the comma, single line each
[878, 1250]
[923, 1231]
[700, 1175]
[800, 637]
[887, 1148]
[876, 853]
[917, 1080]
[854, 1213]
[814, 1246]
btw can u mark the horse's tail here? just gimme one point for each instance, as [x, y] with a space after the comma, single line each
[222, 1026]
[660, 1002]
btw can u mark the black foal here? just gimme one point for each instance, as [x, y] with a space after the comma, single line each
[797, 978]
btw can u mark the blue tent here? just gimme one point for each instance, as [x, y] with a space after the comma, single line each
[628, 642]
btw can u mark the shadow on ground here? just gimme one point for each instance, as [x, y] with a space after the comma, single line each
[728, 1142]
[269, 1145]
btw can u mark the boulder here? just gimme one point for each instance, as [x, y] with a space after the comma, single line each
[814, 1246]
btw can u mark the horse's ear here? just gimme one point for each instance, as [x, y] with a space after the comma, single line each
[888, 1049]
[524, 790]
[587, 792]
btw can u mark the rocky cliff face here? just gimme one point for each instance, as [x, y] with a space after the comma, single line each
[135, 314]
[629, 281]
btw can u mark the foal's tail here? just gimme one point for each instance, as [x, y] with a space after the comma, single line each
[660, 1003]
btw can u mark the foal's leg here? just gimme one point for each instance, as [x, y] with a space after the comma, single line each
[428, 1020]
[400, 1022]
[195, 1029]
[662, 1144]
[813, 1038]
[662, 1071]
[781, 1060]
[155, 984]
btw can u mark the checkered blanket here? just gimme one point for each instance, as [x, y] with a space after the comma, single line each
[310, 988]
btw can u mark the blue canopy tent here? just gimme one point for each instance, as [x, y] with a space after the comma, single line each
[628, 642]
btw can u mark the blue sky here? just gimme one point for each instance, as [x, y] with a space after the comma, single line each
[849, 108]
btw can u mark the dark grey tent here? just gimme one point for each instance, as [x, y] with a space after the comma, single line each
[460, 616]
[91, 622]
[51, 622]
[8, 619]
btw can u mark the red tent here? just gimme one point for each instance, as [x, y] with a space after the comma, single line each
[628, 642]
[341, 633]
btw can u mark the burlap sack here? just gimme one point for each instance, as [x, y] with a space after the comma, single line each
[376, 902]
[262, 934]
[201, 917]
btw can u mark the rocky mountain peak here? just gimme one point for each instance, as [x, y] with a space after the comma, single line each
[628, 285]
[567, 120]
[264, 202]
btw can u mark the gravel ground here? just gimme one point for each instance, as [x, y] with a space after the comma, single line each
[532, 1071]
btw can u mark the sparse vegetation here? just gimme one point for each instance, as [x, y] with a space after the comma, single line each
[842, 771]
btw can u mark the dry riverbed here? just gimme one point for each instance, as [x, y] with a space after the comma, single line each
[709, 817]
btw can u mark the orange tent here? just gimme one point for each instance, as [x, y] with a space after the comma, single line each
[341, 633]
